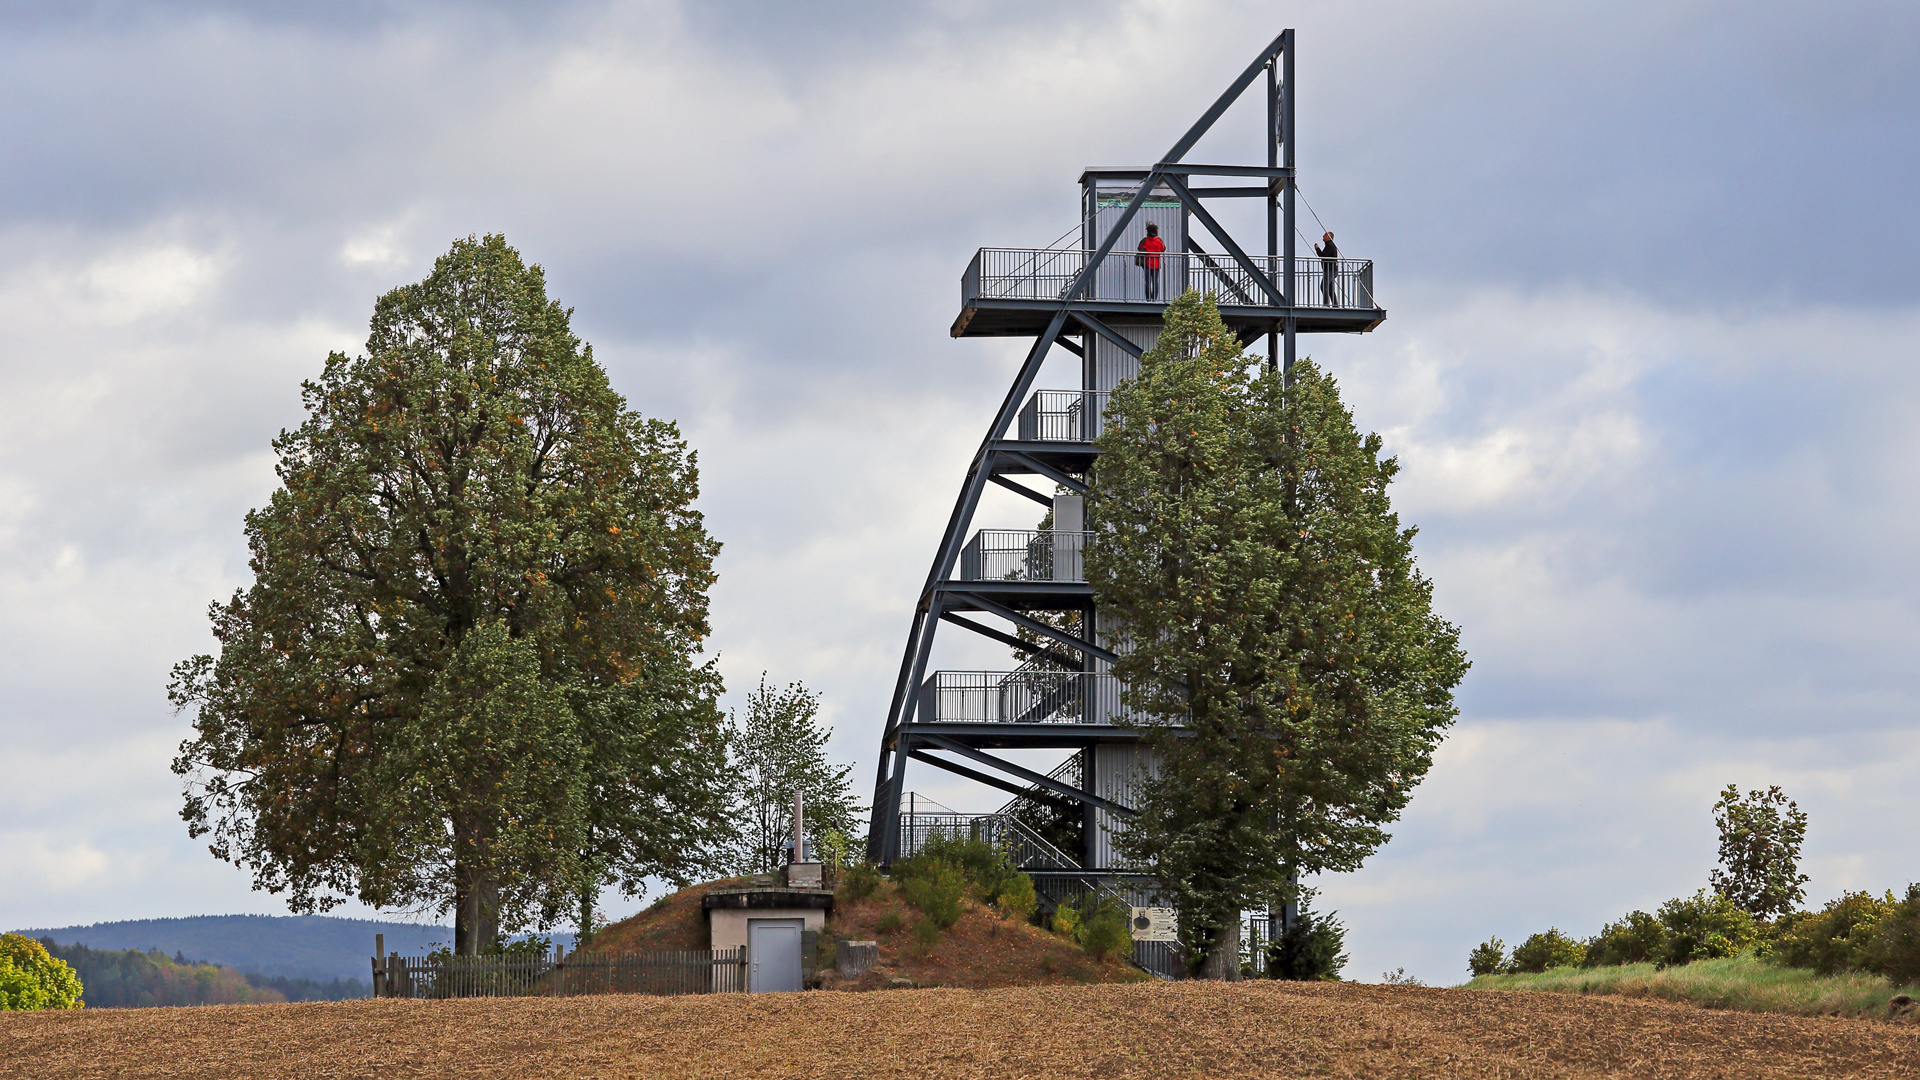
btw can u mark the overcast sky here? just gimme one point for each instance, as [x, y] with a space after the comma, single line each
[1650, 365]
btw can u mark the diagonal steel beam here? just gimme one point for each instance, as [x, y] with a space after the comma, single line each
[1205, 123]
[1185, 195]
[971, 774]
[1022, 489]
[1008, 639]
[1193, 247]
[1105, 331]
[1057, 476]
[1018, 619]
[1069, 344]
[1036, 779]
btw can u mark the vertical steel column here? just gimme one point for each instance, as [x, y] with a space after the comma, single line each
[1288, 231]
[1273, 206]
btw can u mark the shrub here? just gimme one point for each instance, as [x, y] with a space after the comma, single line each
[925, 934]
[987, 870]
[860, 881]
[30, 978]
[1308, 950]
[1705, 926]
[1639, 938]
[1066, 922]
[937, 889]
[1544, 952]
[1017, 899]
[1895, 948]
[1835, 938]
[1488, 958]
[1106, 928]
[888, 923]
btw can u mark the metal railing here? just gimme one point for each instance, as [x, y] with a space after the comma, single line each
[672, 971]
[1063, 416]
[1046, 274]
[1024, 555]
[1027, 849]
[1025, 697]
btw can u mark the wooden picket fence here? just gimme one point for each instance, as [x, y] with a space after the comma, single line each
[666, 971]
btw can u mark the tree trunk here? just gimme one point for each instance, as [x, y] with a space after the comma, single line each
[1223, 953]
[476, 897]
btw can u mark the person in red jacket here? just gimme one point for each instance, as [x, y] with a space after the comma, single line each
[1149, 259]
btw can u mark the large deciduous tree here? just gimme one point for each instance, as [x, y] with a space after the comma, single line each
[466, 675]
[1276, 635]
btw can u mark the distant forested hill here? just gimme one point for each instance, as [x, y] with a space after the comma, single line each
[299, 947]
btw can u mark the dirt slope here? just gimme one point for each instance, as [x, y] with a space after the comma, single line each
[1138, 1030]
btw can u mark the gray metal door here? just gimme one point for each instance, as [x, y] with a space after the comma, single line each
[773, 951]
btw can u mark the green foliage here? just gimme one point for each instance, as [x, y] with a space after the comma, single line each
[1639, 938]
[1895, 948]
[1243, 535]
[1067, 922]
[1106, 929]
[1760, 838]
[1488, 958]
[1705, 926]
[1738, 982]
[1017, 900]
[780, 748]
[861, 880]
[1838, 937]
[465, 675]
[889, 922]
[31, 978]
[1544, 952]
[926, 933]
[1309, 949]
[937, 889]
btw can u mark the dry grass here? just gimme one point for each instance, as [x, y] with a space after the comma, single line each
[1136, 1030]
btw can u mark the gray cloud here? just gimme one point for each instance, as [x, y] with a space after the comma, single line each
[1648, 365]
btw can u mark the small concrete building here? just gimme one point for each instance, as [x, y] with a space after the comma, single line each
[771, 919]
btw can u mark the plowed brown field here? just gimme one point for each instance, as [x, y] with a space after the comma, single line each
[1172, 1030]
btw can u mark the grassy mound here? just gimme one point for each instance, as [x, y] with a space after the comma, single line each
[980, 950]
[1738, 982]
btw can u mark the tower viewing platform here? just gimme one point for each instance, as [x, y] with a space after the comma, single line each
[1144, 237]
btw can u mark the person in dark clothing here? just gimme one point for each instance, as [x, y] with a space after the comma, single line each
[1329, 267]
[1148, 259]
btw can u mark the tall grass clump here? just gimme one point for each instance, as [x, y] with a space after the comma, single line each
[1744, 983]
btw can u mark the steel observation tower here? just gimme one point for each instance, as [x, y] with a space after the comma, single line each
[1091, 297]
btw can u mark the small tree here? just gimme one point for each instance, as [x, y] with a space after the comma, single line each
[31, 978]
[780, 749]
[1544, 952]
[1309, 949]
[1488, 958]
[1760, 838]
[1279, 640]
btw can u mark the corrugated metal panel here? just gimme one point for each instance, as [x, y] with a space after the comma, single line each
[1118, 771]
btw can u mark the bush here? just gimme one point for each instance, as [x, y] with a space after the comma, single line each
[1488, 958]
[1639, 938]
[1705, 926]
[888, 923]
[1895, 948]
[1017, 899]
[1066, 922]
[987, 870]
[1544, 952]
[1308, 950]
[1835, 938]
[1106, 929]
[925, 934]
[937, 889]
[30, 978]
[860, 881]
